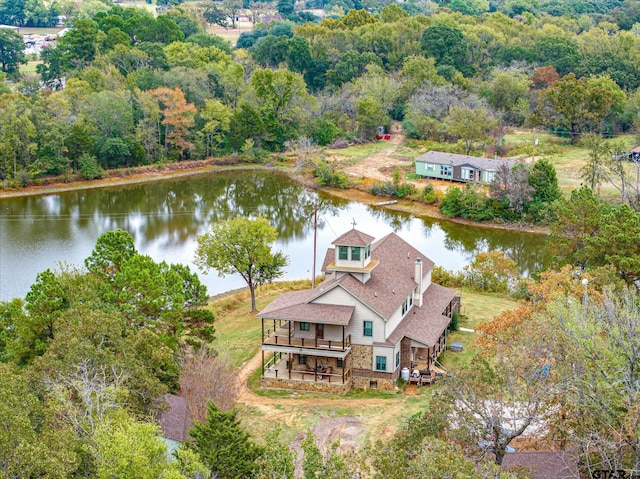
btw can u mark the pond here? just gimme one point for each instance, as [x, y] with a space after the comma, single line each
[40, 232]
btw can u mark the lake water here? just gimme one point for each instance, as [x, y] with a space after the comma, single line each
[40, 232]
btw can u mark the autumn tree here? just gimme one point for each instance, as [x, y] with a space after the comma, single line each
[241, 245]
[178, 117]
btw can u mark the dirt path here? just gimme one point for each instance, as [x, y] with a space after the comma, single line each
[349, 429]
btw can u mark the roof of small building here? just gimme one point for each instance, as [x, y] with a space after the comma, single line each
[543, 464]
[454, 159]
[175, 421]
[354, 238]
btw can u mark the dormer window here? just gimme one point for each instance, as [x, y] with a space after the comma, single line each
[355, 253]
[343, 252]
[367, 251]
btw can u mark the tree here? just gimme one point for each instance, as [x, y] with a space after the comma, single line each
[600, 345]
[470, 125]
[78, 45]
[207, 377]
[111, 250]
[578, 105]
[224, 446]
[492, 404]
[543, 179]
[286, 7]
[491, 271]
[11, 51]
[513, 184]
[447, 45]
[33, 441]
[124, 447]
[218, 120]
[241, 245]
[277, 462]
[593, 172]
[216, 16]
[178, 117]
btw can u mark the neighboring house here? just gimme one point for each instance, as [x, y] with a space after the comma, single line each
[376, 313]
[174, 422]
[543, 464]
[454, 167]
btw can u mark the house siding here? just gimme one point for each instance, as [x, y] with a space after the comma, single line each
[361, 314]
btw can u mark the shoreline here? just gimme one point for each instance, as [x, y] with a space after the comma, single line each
[152, 174]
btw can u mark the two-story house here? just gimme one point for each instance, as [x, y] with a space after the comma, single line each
[375, 313]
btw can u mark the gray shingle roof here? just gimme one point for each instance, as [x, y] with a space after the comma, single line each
[453, 159]
[354, 238]
[543, 464]
[425, 324]
[175, 421]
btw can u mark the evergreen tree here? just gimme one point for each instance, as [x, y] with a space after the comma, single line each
[224, 446]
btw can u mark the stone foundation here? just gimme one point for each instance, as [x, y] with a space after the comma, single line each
[366, 383]
[320, 386]
[361, 356]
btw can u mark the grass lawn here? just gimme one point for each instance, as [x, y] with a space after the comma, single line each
[476, 308]
[567, 159]
[355, 153]
[30, 67]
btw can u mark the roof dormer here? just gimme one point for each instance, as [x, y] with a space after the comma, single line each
[353, 255]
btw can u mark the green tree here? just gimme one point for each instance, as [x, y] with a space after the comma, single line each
[278, 460]
[217, 117]
[471, 125]
[447, 45]
[286, 7]
[33, 443]
[78, 45]
[124, 447]
[224, 446]
[111, 250]
[578, 105]
[593, 172]
[11, 51]
[543, 179]
[241, 245]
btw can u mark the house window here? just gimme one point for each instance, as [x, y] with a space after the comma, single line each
[355, 253]
[467, 173]
[367, 330]
[302, 359]
[446, 171]
[304, 326]
[411, 300]
[343, 252]
[431, 167]
[405, 307]
[381, 363]
[339, 363]
[367, 251]
[398, 359]
[489, 176]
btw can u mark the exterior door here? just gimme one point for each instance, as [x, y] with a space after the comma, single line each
[320, 331]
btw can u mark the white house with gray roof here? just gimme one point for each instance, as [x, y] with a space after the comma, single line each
[375, 313]
[454, 167]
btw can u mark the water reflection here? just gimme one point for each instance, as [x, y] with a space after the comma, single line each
[165, 217]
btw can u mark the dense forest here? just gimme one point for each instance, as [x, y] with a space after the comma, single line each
[125, 88]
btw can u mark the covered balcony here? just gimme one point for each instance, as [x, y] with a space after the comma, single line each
[278, 333]
[311, 373]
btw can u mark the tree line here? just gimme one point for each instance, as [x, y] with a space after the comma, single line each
[125, 88]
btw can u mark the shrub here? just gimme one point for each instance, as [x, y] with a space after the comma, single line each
[455, 317]
[89, 167]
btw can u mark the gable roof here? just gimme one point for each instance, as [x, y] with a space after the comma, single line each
[543, 464]
[453, 159]
[425, 324]
[354, 238]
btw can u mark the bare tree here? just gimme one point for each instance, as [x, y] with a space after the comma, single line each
[512, 182]
[492, 404]
[87, 394]
[207, 377]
